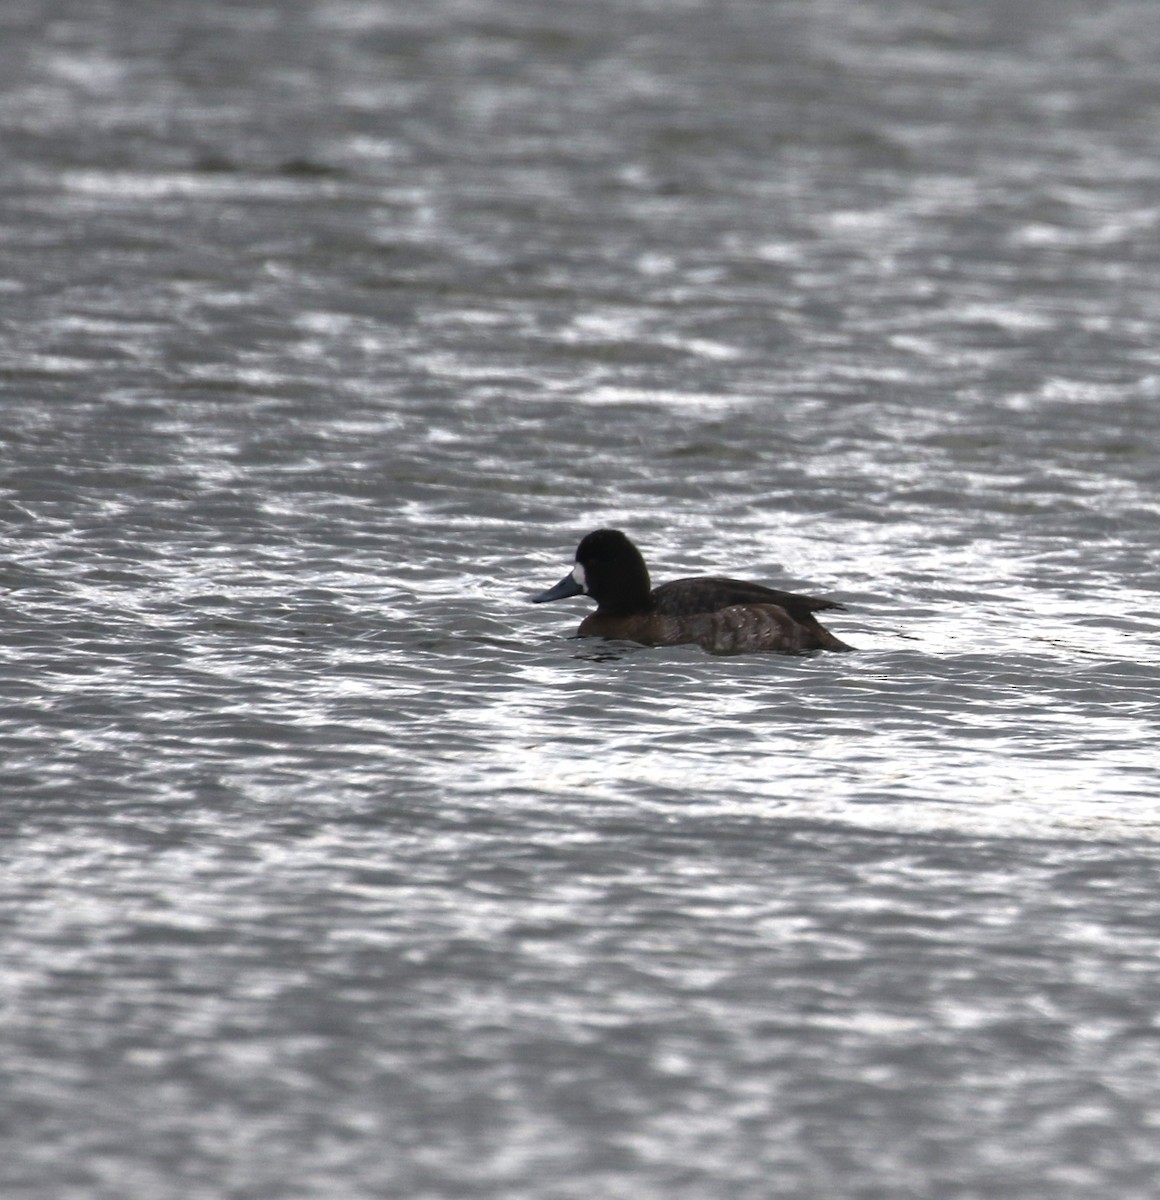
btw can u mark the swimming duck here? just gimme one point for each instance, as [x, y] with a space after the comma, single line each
[724, 616]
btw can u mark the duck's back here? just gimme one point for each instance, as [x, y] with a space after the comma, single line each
[711, 593]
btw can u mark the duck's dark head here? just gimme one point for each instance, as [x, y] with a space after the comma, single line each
[611, 570]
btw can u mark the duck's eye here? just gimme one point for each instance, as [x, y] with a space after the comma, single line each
[578, 575]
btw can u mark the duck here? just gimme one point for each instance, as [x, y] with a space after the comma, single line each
[721, 615]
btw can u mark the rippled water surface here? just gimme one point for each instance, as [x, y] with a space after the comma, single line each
[333, 868]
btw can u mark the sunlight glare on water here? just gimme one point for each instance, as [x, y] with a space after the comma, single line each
[333, 866]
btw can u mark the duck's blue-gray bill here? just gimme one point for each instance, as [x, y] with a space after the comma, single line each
[566, 587]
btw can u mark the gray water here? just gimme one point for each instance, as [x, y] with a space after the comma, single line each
[333, 868]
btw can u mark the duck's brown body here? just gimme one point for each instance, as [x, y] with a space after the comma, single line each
[732, 630]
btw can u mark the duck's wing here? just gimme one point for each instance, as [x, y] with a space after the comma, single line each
[711, 593]
[735, 629]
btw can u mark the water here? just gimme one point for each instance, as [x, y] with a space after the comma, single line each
[335, 869]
